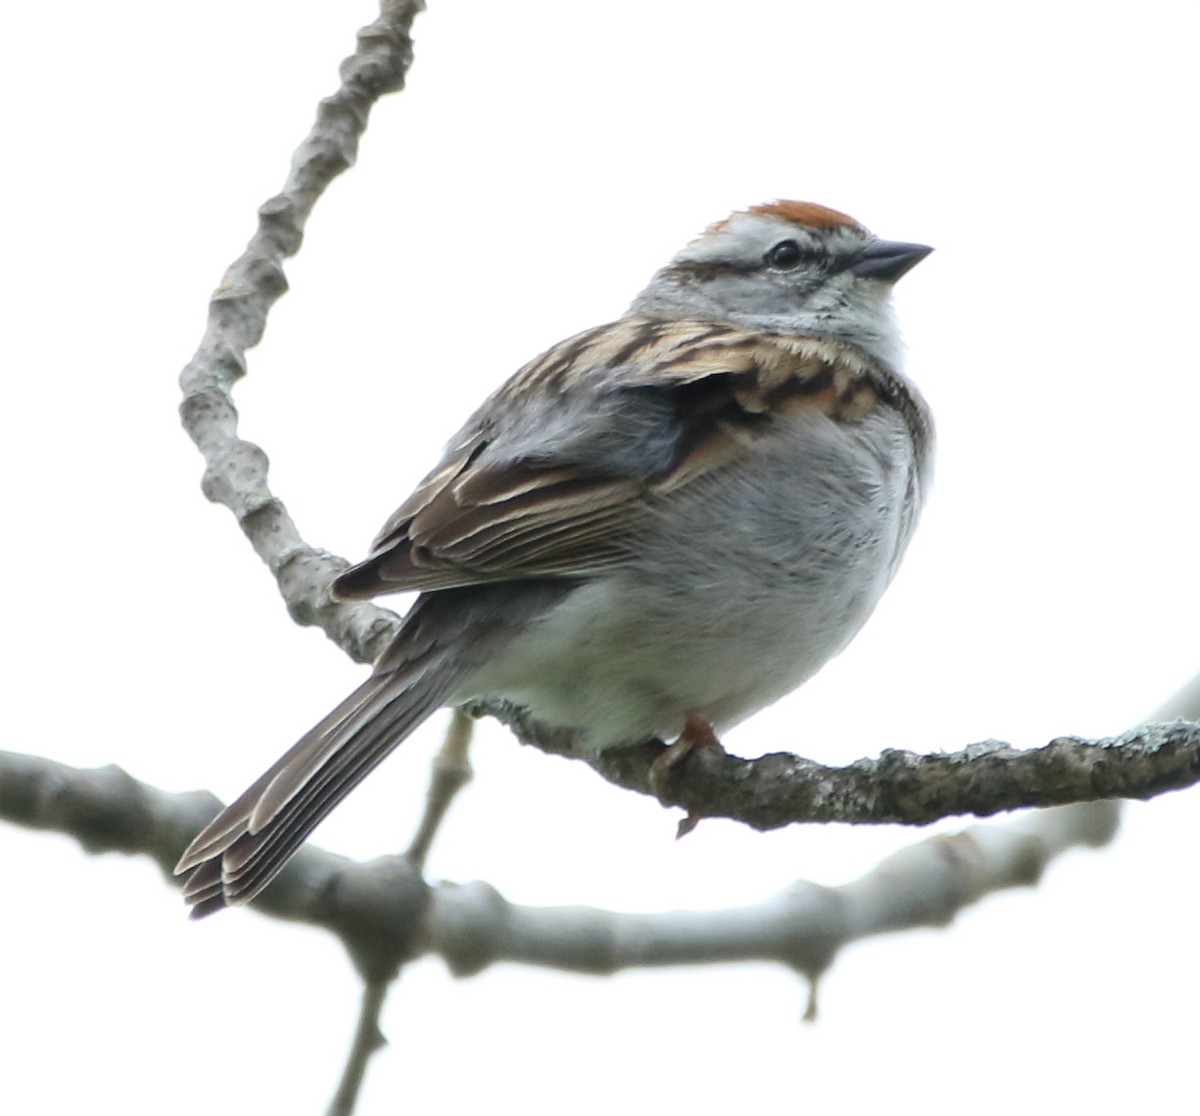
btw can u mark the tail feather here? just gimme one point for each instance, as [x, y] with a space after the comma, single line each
[444, 638]
[377, 707]
[295, 766]
[254, 808]
[246, 846]
[271, 844]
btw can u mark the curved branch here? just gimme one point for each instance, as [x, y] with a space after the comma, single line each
[236, 470]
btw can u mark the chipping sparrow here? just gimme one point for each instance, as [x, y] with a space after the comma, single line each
[668, 521]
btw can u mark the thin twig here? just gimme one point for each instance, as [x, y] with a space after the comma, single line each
[450, 773]
[368, 1040]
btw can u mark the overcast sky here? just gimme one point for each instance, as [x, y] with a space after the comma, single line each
[545, 159]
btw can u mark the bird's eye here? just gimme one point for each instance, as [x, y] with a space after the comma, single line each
[786, 255]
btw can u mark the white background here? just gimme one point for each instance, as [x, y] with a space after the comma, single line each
[546, 157]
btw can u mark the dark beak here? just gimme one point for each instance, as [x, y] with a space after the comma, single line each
[888, 259]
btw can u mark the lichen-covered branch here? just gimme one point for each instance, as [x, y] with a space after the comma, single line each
[236, 470]
[910, 789]
[898, 787]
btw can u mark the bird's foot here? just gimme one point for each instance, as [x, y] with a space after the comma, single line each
[697, 733]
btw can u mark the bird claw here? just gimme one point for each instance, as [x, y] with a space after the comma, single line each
[697, 733]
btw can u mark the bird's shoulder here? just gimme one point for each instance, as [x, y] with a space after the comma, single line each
[555, 471]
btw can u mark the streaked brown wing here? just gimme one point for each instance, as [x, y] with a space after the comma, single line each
[666, 402]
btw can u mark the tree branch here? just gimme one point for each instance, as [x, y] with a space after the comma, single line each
[236, 470]
[386, 913]
[909, 789]
[379, 956]
[368, 1040]
[898, 787]
[451, 772]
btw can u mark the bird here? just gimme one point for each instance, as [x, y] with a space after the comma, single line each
[654, 529]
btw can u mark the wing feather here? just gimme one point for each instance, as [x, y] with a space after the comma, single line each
[528, 490]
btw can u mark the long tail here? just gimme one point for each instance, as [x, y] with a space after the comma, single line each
[444, 638]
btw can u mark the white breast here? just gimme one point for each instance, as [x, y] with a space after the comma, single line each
[753, 578]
